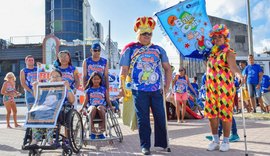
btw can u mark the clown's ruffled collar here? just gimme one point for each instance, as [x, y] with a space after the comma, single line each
[225, 47]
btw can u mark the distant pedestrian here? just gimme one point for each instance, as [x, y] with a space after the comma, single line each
[28, 75]
[9, 93]
[253, 77]
[246, 98]
[180, 86]
[266, 92]
[195, 86]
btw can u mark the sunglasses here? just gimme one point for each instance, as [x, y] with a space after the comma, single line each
[96, 50]
[146, 34]
[218, 36]
[55, 77]
[181, 70]
[30, 59]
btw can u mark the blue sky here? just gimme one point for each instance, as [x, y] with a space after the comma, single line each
[26, 17]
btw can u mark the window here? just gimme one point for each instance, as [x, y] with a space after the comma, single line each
[57, 4]
[240, 39]
[57, 14]
[67, 4]
[13, 67]
[68, 14]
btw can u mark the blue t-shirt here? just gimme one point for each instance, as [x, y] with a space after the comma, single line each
[146, 74]
[203, 90]
[181, 85]
[252, 72]
[265, 83]
[30, 76]
[236, 84]
[244, 71]
[98, 66]
[96, 96]
[68, 75]
[195, 87]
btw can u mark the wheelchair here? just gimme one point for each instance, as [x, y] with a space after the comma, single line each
[69, 121]
[112, 129]
[72, 121]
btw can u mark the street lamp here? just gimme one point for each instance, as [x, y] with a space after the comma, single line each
[250, 41]
[85, 5]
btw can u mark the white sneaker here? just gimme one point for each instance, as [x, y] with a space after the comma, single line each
[213, 146]
[224, 147]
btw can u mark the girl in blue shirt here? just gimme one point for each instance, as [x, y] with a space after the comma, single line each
[96, 99]
[180, 85]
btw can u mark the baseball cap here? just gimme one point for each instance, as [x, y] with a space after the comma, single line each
[95, 46]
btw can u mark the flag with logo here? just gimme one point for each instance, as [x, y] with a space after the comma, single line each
[187, 26]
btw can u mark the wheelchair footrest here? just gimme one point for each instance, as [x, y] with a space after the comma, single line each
[32, 147]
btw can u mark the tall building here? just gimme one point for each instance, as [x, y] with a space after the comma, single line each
[69, 19]
[64, 18]
[100, 32]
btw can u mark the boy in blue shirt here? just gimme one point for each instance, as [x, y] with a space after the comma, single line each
[265, 88]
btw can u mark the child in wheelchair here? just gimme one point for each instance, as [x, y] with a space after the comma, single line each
[96, 100]
[37, 133]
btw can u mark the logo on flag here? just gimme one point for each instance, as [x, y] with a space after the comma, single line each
[187, 25]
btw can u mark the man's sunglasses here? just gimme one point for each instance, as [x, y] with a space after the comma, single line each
[96, 50]
[146, 34]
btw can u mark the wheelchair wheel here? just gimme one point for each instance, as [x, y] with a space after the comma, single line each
[75, 130]
[67, 151]
[27, 137]
[113, 122]
[34, 152]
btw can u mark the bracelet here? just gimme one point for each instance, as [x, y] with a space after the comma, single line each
[70, 91]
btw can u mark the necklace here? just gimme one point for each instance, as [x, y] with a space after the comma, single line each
[224, 47]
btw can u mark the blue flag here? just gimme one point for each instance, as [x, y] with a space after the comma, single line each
[187, 25]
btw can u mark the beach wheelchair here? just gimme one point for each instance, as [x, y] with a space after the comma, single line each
[112, 129]
[66, 123]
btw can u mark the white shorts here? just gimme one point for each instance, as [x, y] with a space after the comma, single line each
[266, 98]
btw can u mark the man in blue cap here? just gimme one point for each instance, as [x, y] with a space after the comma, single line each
[95, 63]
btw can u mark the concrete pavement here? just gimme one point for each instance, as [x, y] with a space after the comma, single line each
[187, 139]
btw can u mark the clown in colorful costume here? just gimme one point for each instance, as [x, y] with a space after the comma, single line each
[220, 86]
[220, 89]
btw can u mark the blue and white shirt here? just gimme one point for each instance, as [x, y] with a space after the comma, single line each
[68, 75]
[98, 66]
[30, 76]
[146, 74]
[96, 96]
[181, 85]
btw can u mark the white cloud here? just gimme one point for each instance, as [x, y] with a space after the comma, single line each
[167, 3]
[258, 10]
[264, 46]
[224, 8]
[23, 22]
